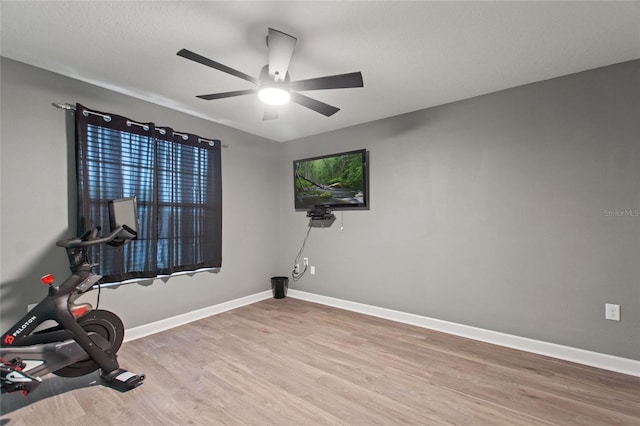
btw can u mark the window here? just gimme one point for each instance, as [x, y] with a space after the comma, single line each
[176, 178]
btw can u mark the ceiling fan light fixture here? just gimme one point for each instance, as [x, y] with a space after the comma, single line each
[274, 96]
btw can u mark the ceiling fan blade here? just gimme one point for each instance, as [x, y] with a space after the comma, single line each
[317, 106]
[340, 81]
[227, 94]
[216, 65]
[270, 112]
[281, 47]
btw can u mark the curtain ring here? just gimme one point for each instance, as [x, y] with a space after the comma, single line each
[105, 117]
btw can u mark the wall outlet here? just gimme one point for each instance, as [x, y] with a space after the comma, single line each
[612, 312]
[305, 261]
[313, 270]
[296, 268]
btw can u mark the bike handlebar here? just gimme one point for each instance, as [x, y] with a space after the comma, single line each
[90, 238]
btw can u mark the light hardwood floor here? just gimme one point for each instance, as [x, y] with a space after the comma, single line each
[290, 362]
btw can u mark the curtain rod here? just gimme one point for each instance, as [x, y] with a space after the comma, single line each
[70, 107]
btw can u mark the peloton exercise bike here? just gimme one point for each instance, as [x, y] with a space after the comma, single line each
[84, 338]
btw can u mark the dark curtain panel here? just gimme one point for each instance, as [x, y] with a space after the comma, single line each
[176, 178]
[189, 201]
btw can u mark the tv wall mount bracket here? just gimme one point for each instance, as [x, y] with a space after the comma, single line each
[320, 217]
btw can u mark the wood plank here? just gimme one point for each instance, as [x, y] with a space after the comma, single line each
[286, 361]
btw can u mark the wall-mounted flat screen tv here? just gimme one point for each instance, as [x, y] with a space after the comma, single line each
[340, 181]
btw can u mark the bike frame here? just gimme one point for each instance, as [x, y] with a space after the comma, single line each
[51, 349]
[26, 353]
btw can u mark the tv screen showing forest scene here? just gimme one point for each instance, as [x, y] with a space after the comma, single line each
[339, 181]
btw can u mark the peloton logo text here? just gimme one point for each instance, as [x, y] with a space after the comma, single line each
[8, 339]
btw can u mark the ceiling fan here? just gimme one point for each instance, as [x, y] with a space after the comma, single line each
[274, 85]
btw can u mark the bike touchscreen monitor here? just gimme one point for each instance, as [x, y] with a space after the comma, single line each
[124, 211]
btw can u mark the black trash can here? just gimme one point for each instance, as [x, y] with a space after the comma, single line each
[279, 287]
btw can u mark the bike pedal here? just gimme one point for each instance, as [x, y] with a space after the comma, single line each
[123, 380]
[14, 380]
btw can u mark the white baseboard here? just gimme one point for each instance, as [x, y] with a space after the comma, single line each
[168, 323]
[567, 353]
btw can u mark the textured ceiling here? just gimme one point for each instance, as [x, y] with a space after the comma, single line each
[412, 55]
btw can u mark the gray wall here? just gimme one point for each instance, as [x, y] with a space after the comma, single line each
[38, 200]
[492, 212]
